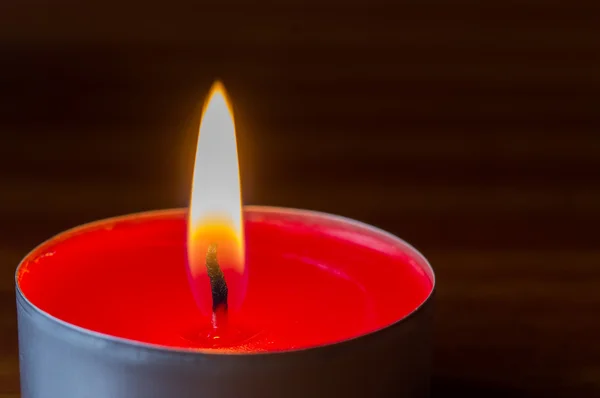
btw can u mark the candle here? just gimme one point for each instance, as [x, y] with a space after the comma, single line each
[264, 302]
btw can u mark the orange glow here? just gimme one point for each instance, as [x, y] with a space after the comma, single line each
[215, 215]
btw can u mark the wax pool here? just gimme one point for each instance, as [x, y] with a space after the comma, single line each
[313, 279]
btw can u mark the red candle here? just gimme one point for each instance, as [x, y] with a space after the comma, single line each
[313, 279]
[152, 305]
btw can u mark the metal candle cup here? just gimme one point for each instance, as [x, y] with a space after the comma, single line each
[60, 358]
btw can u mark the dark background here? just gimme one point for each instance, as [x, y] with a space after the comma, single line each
[467, 127]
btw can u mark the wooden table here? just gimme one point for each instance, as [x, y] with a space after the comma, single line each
[468, 128]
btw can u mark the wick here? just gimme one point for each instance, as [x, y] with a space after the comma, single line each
[218, 287]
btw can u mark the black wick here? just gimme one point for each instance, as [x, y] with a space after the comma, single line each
[218, 286]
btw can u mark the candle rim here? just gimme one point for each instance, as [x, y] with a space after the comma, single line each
[160, 349]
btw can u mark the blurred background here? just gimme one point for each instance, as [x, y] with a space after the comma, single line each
[467, 127]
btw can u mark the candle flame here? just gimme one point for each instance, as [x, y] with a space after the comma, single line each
[215, 215]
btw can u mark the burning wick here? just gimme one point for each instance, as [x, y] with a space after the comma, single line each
[215, 231]
[218, 287]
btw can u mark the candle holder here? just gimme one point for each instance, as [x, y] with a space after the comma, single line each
[62, 359]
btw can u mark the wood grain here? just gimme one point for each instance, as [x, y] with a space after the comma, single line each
[468, 128]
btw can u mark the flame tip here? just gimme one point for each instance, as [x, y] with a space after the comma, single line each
[217, 89]
[217, 86]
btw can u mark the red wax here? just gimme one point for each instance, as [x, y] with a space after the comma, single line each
[313, 279]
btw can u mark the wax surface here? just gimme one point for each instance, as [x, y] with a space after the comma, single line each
[312, 280]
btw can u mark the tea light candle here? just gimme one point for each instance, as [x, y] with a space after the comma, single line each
[221, 301]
